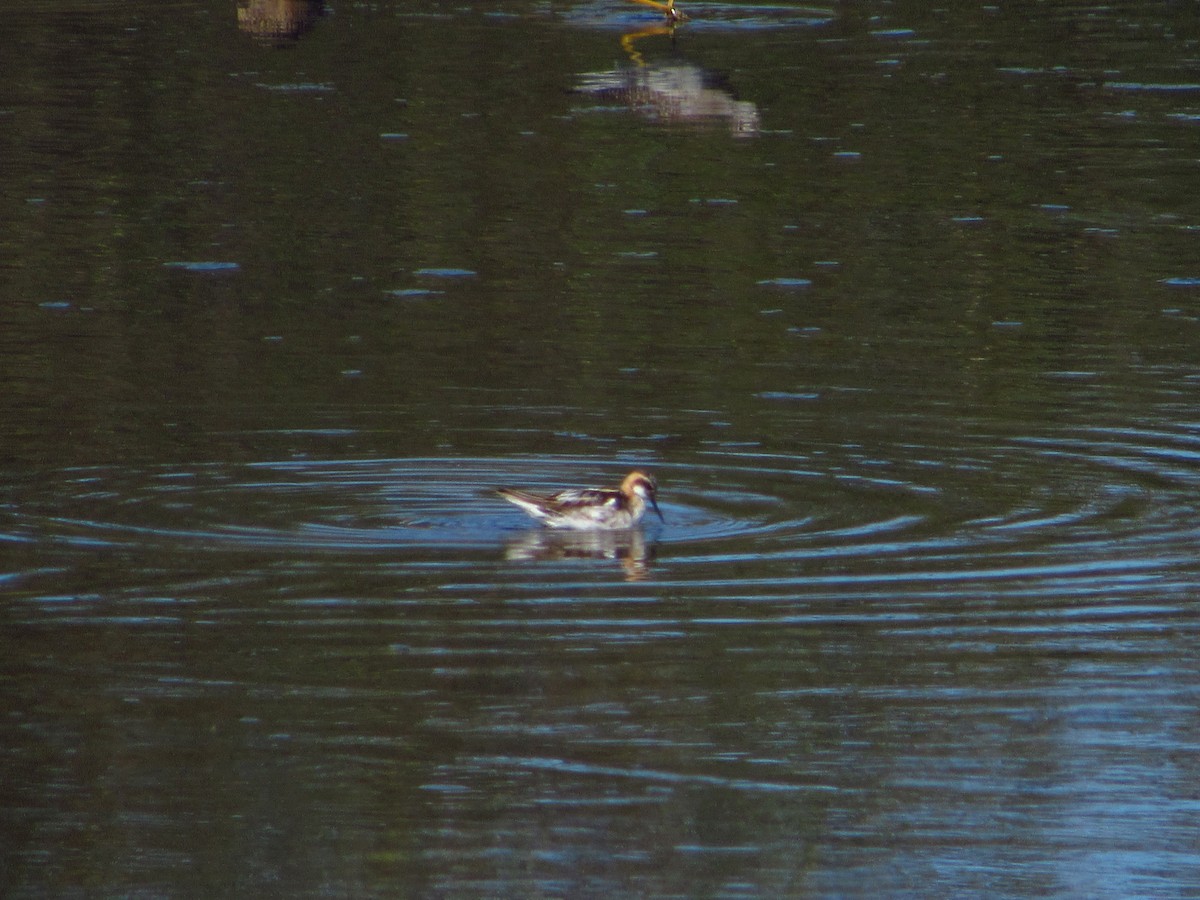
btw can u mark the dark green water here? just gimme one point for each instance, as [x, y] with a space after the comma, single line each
[901, 305]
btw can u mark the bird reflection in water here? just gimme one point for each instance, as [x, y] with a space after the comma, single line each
[667, 9]
[674, 92]
[278, 22]
[627, 547]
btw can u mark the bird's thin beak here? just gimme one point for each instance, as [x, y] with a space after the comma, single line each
[654, 503]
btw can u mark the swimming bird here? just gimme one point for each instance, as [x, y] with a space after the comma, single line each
[590, 509]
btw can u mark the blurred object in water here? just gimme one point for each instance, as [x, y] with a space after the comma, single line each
[675, 93]
[278, 22]
[667, 9]
[627, 546]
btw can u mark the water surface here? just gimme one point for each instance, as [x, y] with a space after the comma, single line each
[898, 304]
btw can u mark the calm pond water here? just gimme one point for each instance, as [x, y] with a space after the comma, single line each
[900, 304]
